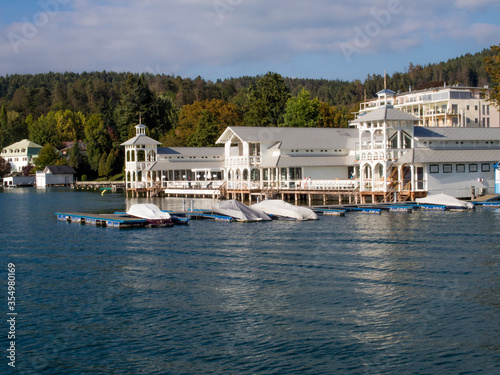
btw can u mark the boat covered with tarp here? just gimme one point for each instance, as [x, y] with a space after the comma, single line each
[151, 213]
[239, 211]
[445, 200]
[281, 209]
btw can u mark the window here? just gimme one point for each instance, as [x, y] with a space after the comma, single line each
[447, 168]
[485, 167]
[460, 168]
[472, 167]
[434, 168]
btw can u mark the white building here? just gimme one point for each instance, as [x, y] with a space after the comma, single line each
[55, 175]
[442, 106]
[384, 156]
[20, 154]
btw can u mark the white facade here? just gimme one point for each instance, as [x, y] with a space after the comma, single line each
[385, 153]
[20, 154]
[442, 106]
[61, 175]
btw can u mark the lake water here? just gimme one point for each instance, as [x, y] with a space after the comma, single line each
[393, 293]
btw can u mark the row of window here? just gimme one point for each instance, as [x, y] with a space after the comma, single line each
[5, 151]
[459, 168]
[17, 159]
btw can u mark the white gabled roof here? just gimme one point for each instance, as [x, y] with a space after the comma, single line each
[141, 140]
[387, 113]
[25, 143]
[292, 138]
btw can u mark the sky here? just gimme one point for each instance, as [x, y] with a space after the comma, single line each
[218, 39]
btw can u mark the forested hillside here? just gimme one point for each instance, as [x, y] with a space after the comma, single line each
[101, 108]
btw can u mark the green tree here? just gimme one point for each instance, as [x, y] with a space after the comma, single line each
[206, 132]
[97, 140]
[112, 162]
[222, 115]
[44, 130]
[266, 101]
[4, 125]
[492, 66]
[48, 156]
[103, 166]
[4, 167]
[301, 111]
[136, 98]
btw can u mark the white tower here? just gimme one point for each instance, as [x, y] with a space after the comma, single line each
[140, 153]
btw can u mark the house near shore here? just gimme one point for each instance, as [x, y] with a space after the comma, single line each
[20, 154]
[385, 156]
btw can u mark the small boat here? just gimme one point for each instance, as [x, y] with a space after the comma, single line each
[239, 211]
[282, 209]
[151, 213]
[445, 200]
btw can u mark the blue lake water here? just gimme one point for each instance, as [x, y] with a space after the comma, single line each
[393, 293]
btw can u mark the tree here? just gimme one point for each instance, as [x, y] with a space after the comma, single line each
[222, 115]
[4, 167]
[97, 140]
[4, 124]
[44, 130]
[266, 101]
[301, 111]
[136, 98]
[492, 66]
[206, 133]
[48, 156]
[27, 169]
[104, 170]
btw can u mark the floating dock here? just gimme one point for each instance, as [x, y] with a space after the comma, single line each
[103, 220]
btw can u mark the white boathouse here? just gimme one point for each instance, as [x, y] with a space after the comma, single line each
[386, 155]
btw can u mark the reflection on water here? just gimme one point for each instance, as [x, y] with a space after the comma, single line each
[390, 293]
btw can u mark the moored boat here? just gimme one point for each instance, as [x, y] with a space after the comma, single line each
[445, 200]
[239, 211]
[282, 209]
[151, 213]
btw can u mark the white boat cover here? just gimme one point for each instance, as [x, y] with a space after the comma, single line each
[239, 211]
[147, 211]
[281, 208]
[444, 200]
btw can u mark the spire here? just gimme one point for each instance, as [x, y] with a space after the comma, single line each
[385, 81]
[140, 122]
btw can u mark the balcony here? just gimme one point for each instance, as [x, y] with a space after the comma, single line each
[243, 161]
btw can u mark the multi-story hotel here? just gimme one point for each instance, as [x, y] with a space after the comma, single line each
[447, 106]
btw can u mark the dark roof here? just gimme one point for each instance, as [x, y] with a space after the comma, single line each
[59, 169]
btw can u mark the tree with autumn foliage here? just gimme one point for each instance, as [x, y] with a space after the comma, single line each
[492, 67]
[201, 122]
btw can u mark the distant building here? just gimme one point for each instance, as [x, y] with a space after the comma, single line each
[55, 175]
[20, 154]
[448, 106]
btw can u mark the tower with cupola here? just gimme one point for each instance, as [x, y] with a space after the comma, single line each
[140, 153]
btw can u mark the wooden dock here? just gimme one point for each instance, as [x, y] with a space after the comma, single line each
[113, 186]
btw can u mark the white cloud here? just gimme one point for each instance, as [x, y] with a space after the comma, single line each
[184, 35]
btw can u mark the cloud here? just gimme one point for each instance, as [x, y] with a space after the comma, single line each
[181, 36]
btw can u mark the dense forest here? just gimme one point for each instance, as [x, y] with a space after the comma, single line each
[101, 108]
